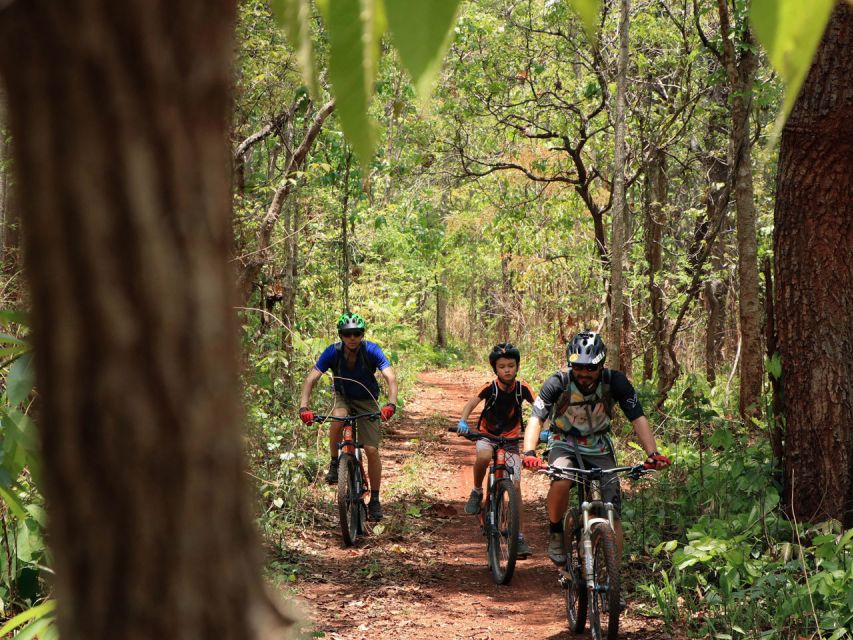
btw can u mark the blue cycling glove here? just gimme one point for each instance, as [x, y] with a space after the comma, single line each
[544, 435]
[462, 428]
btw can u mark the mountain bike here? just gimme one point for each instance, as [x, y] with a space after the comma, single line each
[353, 485]
[499, 520]
[591, 574]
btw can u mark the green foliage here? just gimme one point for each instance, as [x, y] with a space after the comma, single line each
[790, 30]
[23, 552]
[354, 31]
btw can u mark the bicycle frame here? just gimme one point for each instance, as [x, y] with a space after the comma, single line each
[349, 445]
[500, 517]
[353, 482]
[591, 505]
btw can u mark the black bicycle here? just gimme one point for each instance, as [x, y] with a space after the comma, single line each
[353, 485]
[499, 519]
[591, 574]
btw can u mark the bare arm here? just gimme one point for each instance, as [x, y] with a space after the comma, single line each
[310, 381]
[644, 434]
[469, 407]
[391, 379]
[531, 434]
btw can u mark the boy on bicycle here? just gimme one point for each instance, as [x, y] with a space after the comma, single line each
[501, 416]
[354, 362]
[580, 403]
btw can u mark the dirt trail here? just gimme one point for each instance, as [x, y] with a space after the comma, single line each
[423, 574]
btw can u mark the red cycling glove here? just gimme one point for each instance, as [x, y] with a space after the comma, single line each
[387, 411]
[306, 415]
[656, 461]
[530, 461]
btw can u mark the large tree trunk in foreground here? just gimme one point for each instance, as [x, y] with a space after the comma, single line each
[814, 282]
[119, 116]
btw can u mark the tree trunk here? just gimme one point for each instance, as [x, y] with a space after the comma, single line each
[119, 115]
[741, 74]
[814, 271]
[656, 187]
[345, 241]
[4, 161]
[441, 309]
[256, 260]
[620, 206]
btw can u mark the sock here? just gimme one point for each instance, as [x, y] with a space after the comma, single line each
[555, 527]
[478, 490]
[374, 494]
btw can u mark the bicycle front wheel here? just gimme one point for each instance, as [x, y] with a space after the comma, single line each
[576, 595]
[604, 606]
[502, 527]
[349, 496]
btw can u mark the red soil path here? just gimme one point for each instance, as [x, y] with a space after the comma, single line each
[424, 573]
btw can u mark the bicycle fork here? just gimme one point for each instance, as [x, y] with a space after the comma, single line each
[350, 446]
[586, 538]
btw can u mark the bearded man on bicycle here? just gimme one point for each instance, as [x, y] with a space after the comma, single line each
[354, 362]
[579, 402]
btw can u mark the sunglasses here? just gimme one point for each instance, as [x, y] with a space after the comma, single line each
[585, 367]
[350, 334]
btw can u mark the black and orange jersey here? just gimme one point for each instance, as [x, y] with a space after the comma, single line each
[501, 415]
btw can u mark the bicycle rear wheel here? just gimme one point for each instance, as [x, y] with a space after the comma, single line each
[502, 529]
[576, 594]
[604, 608]
[349, 496]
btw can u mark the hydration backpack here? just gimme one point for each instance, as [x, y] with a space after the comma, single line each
[564, 401]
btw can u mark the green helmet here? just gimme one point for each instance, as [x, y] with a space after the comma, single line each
[350, 322]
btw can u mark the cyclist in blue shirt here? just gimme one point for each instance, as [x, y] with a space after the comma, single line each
[354, 362]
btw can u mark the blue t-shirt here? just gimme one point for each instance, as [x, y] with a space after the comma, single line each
[361, 383]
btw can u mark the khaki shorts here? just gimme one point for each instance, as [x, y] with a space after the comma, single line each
[511, 460]
[368, 432]
[563, 457]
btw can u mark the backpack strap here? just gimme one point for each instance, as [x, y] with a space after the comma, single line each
[339, 354]
[519, 398]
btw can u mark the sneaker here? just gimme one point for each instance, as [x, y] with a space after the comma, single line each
[374, 510]
[557, 549]
[475, 500]
[332, 475]
[524, 550]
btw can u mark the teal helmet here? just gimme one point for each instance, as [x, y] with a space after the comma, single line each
[351, 322]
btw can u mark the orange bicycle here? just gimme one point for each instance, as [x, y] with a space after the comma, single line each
[499, 520]
[353, 485]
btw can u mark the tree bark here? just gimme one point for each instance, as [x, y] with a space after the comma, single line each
[656, 187]
[620, 206]
[814, 271]
[119, 114]
[253, 264]
[441, 309]
[740, 71]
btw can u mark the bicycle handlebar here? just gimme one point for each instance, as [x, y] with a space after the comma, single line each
[567, 473]
[475, 435]
[351, 419]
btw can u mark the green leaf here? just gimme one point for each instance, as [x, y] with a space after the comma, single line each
[589, 12]
[21, 379]
[421, 32]
[353, 55]
[295, 15]
[30, 614]
[15, 505]
[10, 316]
[790, 31]
[774, 366]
